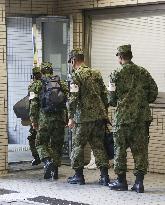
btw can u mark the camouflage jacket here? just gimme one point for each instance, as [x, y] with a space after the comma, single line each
[90, 102]
[33, 90]
[135, 89]
[35, 108]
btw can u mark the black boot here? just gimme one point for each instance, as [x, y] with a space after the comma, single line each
[120, 184]
[104, 177]
[138, 186]
[36, 161]
[49, 168]
[78, 178]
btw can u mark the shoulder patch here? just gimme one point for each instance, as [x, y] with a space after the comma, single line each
[32, 95]
[74, 88]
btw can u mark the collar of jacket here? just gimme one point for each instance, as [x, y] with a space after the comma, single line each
[128, 63]
[47, 75]
[83, 66]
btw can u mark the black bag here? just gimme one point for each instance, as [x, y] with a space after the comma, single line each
[21, 108]
[52, 97]
[109, 142]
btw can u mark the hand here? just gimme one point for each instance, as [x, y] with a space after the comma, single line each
[71, 123]
[35, 125]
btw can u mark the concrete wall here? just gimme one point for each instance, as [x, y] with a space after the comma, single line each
[74, 8]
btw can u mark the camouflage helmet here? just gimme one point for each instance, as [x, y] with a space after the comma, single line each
[46, 68]
[124, 49]
[36, 70]
[74, 53]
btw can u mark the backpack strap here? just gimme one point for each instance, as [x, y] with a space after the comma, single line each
[107, 122]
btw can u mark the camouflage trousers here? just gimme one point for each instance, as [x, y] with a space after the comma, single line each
[32, 138]
[136, 137]
[92, 132]
[50, 139]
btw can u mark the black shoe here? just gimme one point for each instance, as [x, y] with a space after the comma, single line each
[76, 180]
[104, 180]
[120, 184]
[104, 177]
[138, 186]
[36, 161]
[49, 169]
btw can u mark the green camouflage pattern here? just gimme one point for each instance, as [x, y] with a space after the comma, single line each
[50, 137]
[92, 132]
[46, 65]
[36, 70]
[46, 68]
[32, 138]
[124, 49]
[75, 52]
[35, 87]
[136, 137]
[88, 107]
[90, 103]
[51, 126]
[135, 89]
[35, 103]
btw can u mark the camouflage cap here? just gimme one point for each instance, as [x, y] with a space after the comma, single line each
[123, 49]
[74, 53]
[46, 67]
[36, 70]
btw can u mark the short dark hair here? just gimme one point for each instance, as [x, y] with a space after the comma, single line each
[126, 56]
[79, 57]
[37, 76]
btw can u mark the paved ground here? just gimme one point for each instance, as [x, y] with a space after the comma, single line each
[29, 187]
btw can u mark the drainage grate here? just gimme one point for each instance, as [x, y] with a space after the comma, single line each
[53, 201]
[5, 191]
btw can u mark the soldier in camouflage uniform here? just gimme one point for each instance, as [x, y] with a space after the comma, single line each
[131, 89]
[88, 106]
[32, 89]
[50, 128]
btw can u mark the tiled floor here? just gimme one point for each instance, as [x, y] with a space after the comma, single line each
[30, 184]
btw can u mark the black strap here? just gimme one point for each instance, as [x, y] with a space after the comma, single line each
[108, 122]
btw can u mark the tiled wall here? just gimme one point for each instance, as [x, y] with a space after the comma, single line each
[3, 91]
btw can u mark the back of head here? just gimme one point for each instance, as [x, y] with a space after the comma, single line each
[36, 72]
[77, 54]
[46, 68]
[125, 52]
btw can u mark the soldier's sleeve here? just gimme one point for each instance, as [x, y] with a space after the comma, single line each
[34, 101]
[112, 97]
[29, 87]
[104, 91]
[74, 96]
[151, 87]
[65, 88]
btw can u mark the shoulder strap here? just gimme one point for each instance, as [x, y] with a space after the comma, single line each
[108, 122]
